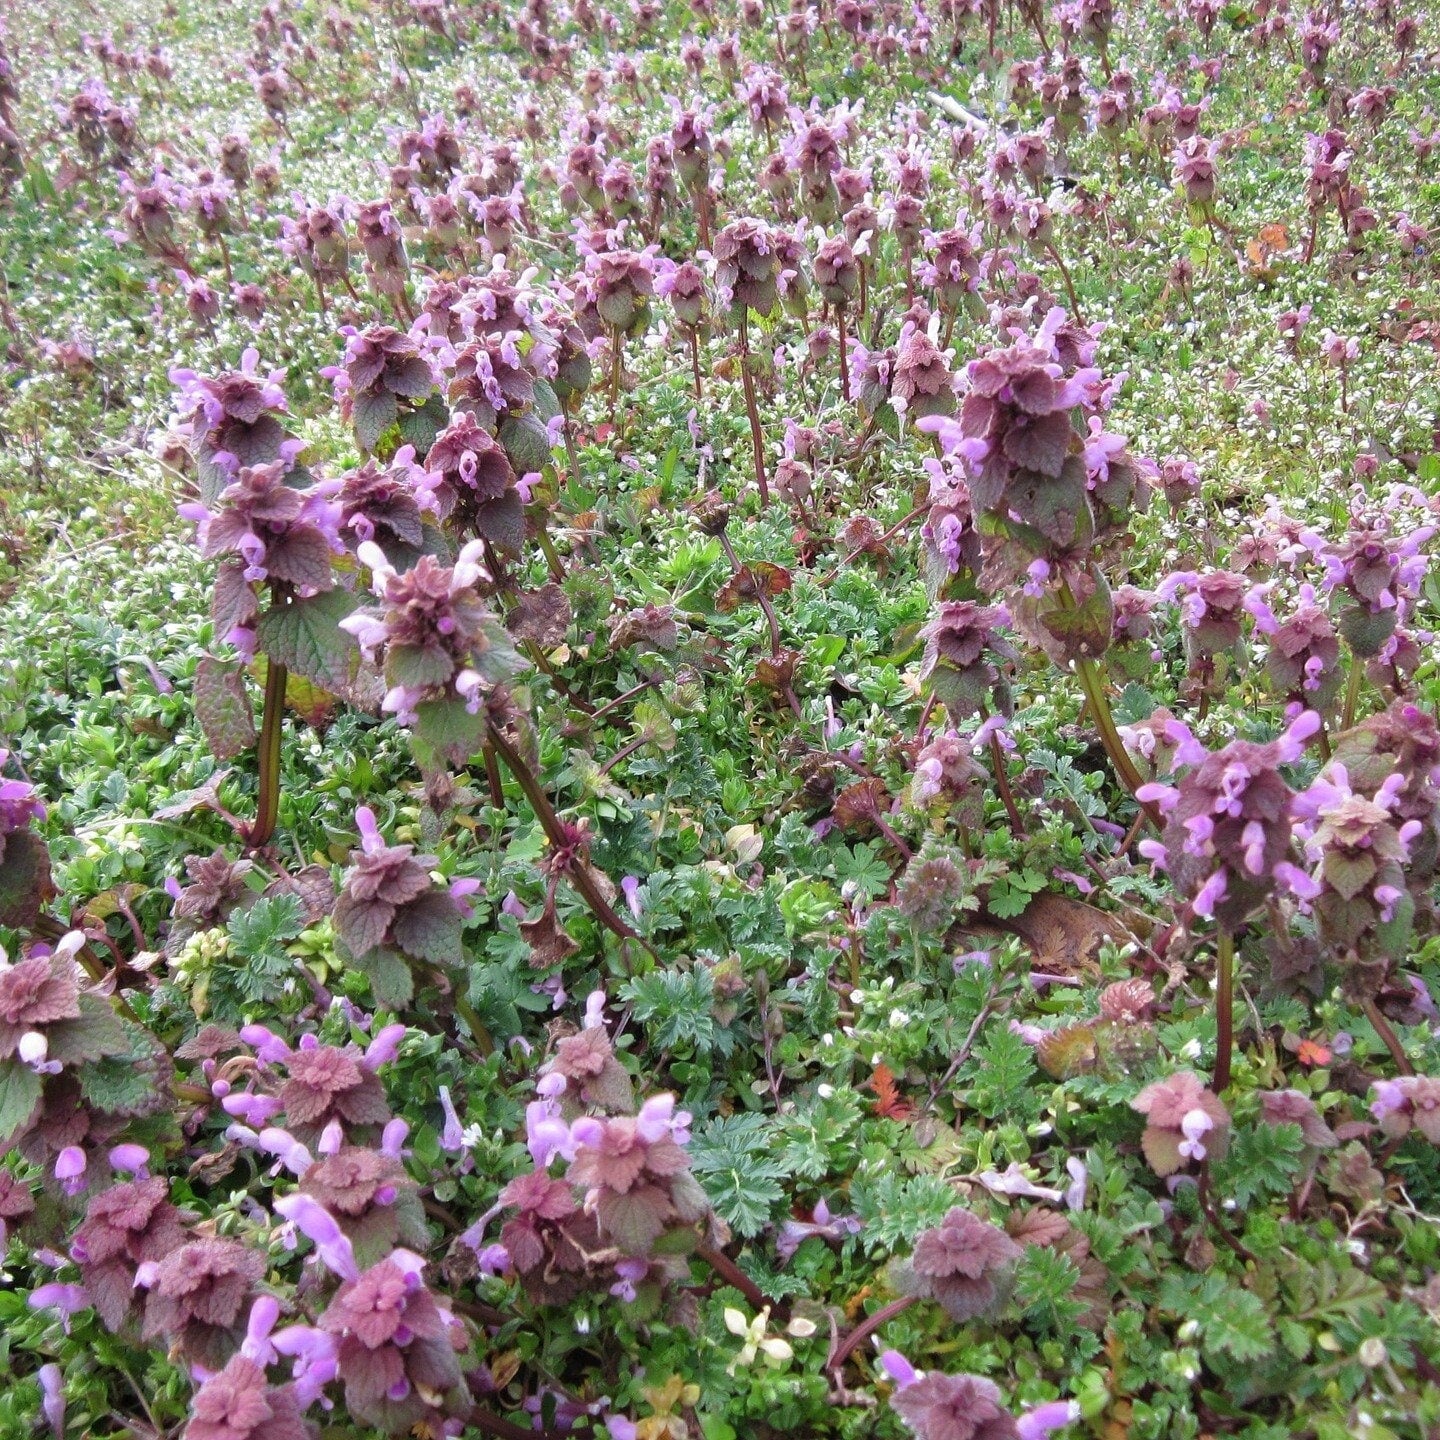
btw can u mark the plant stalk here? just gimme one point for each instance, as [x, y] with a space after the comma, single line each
[268, 809]
[555, 832]
[1387, 1035]
[731, 1274]
[1224, 1008]
[757, 436]
[844, 1349]
[1093, 684]
[1352, 694]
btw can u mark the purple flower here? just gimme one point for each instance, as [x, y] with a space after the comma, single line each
[630, 888]
[70, 1169]
[1043, 1420]
[130, 1160]
[1184, 1122]
[793, 1233]
[313, 1354]
[393, 1343]
[898, 1368]
[453, 1136]
[1413, 1101]
[1227, 836]
[383, 1047]
[52, 1397]
[320, 1227]
[257, 1345]
[67, 1299]
[441, 640]
[19, 804]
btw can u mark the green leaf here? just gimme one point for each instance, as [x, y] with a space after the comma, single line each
[119, 1084]
[19, 1095]
[447, 730]
[428, 928]
[1045, 1283]
[96, 1033]
[418, 667]
[999, 1074]
[420, 427]
[391, 983]
[306, 636]
[676, 1008]
[373, 412]
[547, 403]
[864, 867]
[1135, 704]
[263, 927]
[526, 442]
[1007, 900]
[42, 187]
[807, 905]
[733, 1156]
[222, 707]
[1231, 1320]
[895, 1207]
[502, 522]
[1262, 1161]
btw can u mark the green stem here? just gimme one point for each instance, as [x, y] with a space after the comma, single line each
[466, 1011]
[268, 809]
[1224, 1008]
[1069, 283]
[547, 548]
[1352, 694]
[571, 454]
[1093, 684]
[492, 777]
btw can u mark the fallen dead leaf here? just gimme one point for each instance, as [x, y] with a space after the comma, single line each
[1064, 935]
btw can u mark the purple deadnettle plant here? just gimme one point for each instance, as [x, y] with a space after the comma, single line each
[436, 638]
[1228, 841]
[1185, 1123]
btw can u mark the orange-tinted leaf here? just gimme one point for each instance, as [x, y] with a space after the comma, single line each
[889, 1103]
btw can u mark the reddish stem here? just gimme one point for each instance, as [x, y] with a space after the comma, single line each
[731, 1274]
[843, 1349]
[752, 409]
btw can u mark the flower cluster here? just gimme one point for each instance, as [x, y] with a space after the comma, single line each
[1184, 1123]
[388, 902]
[1411, 1102]
[232, 419]
[962, 1264]
[962, 645]
[1357, 890]
[396, 1347]
[1228, 837]
[439, 638]
[382, 366]
[1048, 492]
[278, 535]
